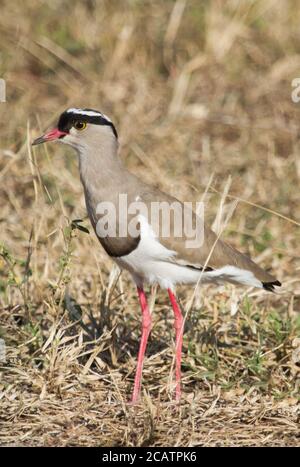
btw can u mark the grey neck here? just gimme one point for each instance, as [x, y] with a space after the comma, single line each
[99, 163]
[103, 174]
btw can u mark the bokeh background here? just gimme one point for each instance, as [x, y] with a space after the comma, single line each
[200, 92]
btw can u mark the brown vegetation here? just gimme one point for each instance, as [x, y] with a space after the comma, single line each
[199, 92]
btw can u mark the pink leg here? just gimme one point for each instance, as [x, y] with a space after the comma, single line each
[179, 324]
[146, 327]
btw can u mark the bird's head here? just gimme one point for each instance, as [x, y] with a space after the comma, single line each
[81, 129]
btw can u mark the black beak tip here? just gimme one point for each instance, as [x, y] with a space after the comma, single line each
[38, 140]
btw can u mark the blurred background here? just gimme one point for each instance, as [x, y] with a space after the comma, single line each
[201, 95]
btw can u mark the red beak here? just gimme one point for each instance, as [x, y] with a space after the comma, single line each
[51, 136]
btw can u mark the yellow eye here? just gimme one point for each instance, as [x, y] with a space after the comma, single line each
[79, 126]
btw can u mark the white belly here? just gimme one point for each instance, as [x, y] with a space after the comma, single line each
[151, 263]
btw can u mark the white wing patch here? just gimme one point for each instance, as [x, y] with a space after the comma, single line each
[153, 263]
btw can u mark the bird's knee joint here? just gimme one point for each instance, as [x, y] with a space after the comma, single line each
[147, 322]
[178, 322]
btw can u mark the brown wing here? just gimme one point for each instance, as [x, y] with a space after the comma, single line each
[213, 254]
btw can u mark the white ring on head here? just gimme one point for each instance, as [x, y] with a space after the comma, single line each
[88, 113]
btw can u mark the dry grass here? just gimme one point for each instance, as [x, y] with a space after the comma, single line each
[197, 89]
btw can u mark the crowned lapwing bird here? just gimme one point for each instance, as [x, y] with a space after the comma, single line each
[150, 255]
